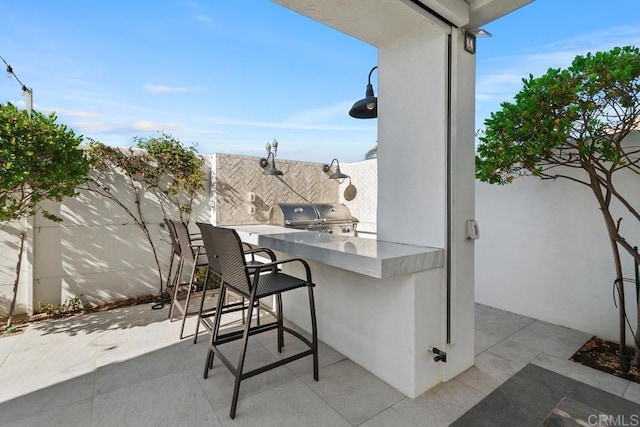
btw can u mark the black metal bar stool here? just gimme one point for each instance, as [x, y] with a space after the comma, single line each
[191, 254]
[253, 282]
[206, 317]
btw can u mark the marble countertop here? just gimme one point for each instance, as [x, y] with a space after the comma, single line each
[369, 257]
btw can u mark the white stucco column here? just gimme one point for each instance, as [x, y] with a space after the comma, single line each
[426, 84]
[412, 131]
[425, 180]
[462, 208]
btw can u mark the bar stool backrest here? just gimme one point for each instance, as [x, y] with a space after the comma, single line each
[184, 240]
[210, 247]
[174, 238]
[233, 264]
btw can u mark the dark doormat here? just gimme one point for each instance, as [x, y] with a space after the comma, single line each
[538, 397]
[603, 356]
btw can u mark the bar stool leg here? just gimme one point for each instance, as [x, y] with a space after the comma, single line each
[245, 340]
[186, 301]
[170, 270]
[280, 322]
[204, 294]
[214, 331]
[314, 333]
[174, 301]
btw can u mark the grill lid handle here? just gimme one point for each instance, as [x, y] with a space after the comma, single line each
[298, 210]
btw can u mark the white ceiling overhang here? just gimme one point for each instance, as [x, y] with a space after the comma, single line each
[372, 21]
[473, 13]
[375, 21]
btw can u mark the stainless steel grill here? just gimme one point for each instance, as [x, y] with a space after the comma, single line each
[329, 218]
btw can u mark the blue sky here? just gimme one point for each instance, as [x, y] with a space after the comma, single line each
[231, 75]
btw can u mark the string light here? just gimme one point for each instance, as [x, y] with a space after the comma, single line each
[27, 92]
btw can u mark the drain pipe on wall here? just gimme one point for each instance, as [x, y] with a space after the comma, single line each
[449, 190]
[449, 184]
[448, 201]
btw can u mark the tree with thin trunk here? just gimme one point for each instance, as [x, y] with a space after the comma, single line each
[161, 166]
[41, 160]
[179, 173]
[573, 124]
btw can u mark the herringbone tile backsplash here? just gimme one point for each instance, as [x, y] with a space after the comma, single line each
[235, 176]
[364, 179]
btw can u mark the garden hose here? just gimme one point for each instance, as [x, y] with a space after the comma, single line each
[160, 303]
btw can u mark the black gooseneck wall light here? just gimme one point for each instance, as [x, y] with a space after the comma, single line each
[366, 108]
[271, 169]
[338, 173]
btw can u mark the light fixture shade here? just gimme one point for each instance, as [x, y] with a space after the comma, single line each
[338, 174]
[366, 108]
[271, 169]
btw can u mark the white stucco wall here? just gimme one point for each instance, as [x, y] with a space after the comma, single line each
[544, 252]
[9, 250]
[97, 250]
[364, 179]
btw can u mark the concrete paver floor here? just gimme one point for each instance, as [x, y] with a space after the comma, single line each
[126, 367]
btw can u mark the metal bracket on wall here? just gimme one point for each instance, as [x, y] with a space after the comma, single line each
[440, 356]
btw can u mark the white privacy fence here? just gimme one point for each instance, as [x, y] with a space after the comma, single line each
[543, 249]
[99, 251]
[544, 252]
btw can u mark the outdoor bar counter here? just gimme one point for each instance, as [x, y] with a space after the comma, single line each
[365, 256]
[370, 300]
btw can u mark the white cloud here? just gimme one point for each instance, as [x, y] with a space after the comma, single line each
[499, 79]
[290, 123]
[79, 114]
[91, 126]
[317, 115]
[204, 19]
[126, 128]
[253, 149]
[157, 88]
[153, 126]
[495, 86]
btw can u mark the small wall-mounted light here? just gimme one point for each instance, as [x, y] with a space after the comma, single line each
[366, 108]
[338, 173]
[469, 42]
[470, 38]
[271, 169]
